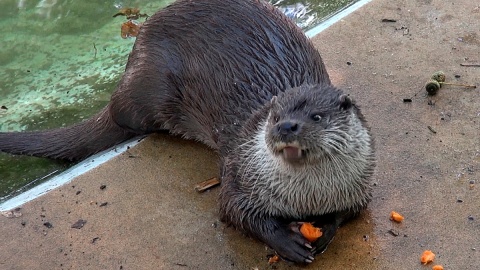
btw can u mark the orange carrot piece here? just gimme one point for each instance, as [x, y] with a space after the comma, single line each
[396, 217]
[310, 232]
[273, 259]
[437, 267]
[427, 257]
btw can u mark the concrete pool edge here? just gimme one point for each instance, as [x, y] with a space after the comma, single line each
[335, 18]
[99, 159]
[68, 175]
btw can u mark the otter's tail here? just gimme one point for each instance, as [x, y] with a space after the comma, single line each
[75, 142]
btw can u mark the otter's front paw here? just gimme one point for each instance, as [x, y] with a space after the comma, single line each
[288, 242]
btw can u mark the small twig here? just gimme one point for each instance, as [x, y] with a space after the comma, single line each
[469, 65]
[459, 84]
[207, 184]
[432, 130]
[95, 48]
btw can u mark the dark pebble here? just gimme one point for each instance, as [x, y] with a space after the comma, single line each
[102, 187]
[48, 225]
[393, 232]
[79, 224]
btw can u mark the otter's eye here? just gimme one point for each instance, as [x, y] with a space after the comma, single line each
[316, 117]
[275, 119]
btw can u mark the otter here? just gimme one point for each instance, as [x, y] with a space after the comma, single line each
[242, 78]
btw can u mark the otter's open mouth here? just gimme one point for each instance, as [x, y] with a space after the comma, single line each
[290, 152]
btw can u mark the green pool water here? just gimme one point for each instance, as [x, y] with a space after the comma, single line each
[61, 60]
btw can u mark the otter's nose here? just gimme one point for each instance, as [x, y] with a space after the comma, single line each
[288, 128]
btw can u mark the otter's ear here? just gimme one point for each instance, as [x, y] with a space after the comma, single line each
[273, 100]
[346, 102]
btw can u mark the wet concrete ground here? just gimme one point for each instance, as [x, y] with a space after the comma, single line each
[428, 168]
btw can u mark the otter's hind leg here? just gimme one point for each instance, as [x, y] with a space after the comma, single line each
[141, 102]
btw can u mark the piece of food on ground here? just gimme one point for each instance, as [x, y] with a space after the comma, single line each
[273, 259]
[396, 217]
[427, 257]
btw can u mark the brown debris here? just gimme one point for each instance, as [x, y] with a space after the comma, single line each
[207, 184]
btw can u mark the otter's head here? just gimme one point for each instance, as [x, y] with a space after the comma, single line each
[309, 123]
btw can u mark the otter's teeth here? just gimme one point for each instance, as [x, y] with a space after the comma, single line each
[290, 152]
